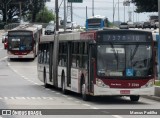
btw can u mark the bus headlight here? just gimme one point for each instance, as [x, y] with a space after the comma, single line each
[100, 83]
[150, 83]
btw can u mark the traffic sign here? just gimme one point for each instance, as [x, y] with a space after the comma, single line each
[76, 1]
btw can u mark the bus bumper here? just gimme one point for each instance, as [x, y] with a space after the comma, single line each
[21, 56]
[102, 91]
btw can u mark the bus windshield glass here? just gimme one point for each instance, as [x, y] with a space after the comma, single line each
[124, 60]
[20, 43]
[96, 22]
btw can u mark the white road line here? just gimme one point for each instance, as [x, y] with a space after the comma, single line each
[38, 98]
[57, 93]
[33, 98]
[50, 98]
[28, 98]
[36, 83]
[77, 101]
[52, 91]
[86, 105]
[69, 98]
[3, 58]
[15, 71]
[94, 108]
[64, 95]
[25, 78]
[12, 98]
[47, 89]
[6, 98]
[117, 116]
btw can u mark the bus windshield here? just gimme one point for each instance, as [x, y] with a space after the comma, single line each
[124, 60]
[20, 43]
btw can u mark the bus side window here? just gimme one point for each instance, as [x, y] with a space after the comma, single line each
[62, 54]
[85, 56]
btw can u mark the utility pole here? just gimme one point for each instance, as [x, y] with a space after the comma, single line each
[159, 36]
[20, 11]
[118, 13]
[57, 15]
[71, 12]
[65, 18]
[92, 7]
[113, 12]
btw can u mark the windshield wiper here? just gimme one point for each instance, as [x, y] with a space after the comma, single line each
[115, 54]
[134, 52]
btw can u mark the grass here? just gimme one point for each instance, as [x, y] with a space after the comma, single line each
[157, 83]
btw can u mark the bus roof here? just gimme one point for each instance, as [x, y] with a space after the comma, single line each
[97, 16]
[61, 36]
[26, 27]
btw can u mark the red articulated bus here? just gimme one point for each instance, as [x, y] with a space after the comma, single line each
[109, 62]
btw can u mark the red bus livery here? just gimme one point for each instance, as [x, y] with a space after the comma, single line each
[23, 41]
[99, 63]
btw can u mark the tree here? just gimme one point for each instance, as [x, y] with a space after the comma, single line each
[11, 8]
[38, 5]
[45, 16]
[146, 5]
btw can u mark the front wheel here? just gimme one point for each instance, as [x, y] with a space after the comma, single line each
[134, 98]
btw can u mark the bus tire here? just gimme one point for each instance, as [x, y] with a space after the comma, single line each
[63, 84]
[45, 80]
[134, 98]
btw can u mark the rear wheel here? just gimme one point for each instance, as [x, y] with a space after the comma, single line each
[134, 98]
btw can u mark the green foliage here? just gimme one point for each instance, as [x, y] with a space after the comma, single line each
[157, 83]
[45, 16]
[146, 5]
[31, 7]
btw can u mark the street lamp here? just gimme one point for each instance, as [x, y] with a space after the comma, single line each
[114, 9]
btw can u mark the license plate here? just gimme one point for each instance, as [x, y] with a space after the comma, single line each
[125, 92]
[20, 56]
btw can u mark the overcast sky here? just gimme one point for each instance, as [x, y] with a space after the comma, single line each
[102, 7]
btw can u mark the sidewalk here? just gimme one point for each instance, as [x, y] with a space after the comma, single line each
[152, 97]
[156, 95]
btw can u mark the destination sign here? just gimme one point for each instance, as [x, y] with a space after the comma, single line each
[125, 38]
[19, 33]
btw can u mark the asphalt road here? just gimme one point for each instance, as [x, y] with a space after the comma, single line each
[21, 89]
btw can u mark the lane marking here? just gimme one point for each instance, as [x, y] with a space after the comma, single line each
[86, 105]
[58, 93]
[94, 108]
[77, 101]
[69, 98]
[47, 89]
[36, 83]
[117, 116]
[3, 58]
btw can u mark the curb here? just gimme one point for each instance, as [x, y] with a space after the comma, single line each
[152, 97]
